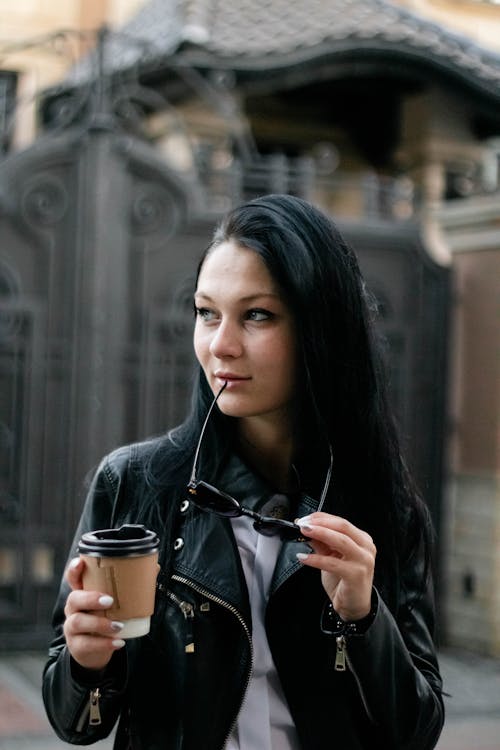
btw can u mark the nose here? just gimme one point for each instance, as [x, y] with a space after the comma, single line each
[226, 341]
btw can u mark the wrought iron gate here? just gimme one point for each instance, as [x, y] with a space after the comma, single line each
[94, 346]
[98, 241]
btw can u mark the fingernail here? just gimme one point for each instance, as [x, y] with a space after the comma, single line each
[118, 643]
[304, 524]
[105, 600]
[117, 626]
[302, 556]
[303, 520]
[74, 562]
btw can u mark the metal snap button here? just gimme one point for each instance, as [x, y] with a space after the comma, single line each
[184, 506]
[178, 544]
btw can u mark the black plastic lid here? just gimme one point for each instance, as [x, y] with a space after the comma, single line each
[126, 541]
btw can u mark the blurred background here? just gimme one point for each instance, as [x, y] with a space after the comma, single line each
[128, 127]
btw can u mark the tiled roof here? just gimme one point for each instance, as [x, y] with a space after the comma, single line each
[253, 35]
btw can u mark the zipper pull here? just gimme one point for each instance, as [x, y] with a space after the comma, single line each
[340, 655]
[95, 711]
[187, 610]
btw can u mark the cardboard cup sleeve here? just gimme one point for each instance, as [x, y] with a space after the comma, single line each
[131, 581]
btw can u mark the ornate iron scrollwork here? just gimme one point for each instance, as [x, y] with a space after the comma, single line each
[176, 325]
[154, 210]
[10, 317]
[44, 201]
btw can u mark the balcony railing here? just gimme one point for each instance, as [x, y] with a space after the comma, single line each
[361, 195]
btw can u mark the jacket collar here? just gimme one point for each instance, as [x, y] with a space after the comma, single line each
[208, 555]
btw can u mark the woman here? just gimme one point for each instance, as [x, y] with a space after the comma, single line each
[282, 634]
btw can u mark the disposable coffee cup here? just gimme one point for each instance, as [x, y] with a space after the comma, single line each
[124, 564]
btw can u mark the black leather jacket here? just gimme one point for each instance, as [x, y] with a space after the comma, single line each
[169, 697]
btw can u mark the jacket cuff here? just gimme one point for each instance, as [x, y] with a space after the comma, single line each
[332, 624]
[114, 674]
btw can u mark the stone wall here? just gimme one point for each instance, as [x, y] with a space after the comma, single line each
[472, 512]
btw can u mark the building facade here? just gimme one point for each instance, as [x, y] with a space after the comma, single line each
[386, 114]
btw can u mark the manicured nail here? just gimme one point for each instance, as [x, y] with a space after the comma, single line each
[302, 556]
[303, 520]
[74, 563]
[117, 626]
[304, 523]
[118, 643]
[105, 600]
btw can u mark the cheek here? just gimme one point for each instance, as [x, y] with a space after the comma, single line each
[279, 360]
[285, 353]
[200, 345]
[290, 363]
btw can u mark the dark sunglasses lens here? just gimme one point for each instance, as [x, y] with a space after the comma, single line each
[209, 498]
[274, 526]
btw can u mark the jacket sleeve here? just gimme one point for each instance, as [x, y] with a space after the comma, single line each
[66, 687]
[396, 668]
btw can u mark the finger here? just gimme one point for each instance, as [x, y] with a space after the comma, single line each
[87, 601]
[89, 623]
[341, 568]
[322, 549]
[336, 542]
[74, 573]
[93, 652]
[339, 524]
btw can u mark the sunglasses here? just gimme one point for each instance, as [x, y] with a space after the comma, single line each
[209, 498]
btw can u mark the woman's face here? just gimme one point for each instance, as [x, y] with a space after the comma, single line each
[244, 334]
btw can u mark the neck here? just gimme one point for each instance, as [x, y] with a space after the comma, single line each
[269, 448]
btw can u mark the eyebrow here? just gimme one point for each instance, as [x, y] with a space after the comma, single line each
[247, 298]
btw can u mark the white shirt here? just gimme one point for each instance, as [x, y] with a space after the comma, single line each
[264, 721]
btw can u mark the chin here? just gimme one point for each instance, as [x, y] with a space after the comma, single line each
[234, 405]
[235, 410]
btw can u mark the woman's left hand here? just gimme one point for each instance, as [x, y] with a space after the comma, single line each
[345, 555]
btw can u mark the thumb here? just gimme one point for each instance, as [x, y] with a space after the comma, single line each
[74, 573]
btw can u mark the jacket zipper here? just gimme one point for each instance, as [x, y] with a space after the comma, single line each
[187, 610]
[341, 662]
[234, 611]
[340, 654]
[91, 711]
[95, 710]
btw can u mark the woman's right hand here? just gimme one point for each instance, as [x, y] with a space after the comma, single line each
[90, 636]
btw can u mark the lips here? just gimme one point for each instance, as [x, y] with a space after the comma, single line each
[230, 377]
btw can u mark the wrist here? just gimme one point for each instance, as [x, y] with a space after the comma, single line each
[333, 624]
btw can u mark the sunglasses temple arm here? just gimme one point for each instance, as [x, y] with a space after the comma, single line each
[327, 480]
[192, 479]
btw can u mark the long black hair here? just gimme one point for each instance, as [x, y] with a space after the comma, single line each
[341, 398]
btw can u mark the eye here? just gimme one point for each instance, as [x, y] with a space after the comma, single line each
[257, 315]
[204, 313]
